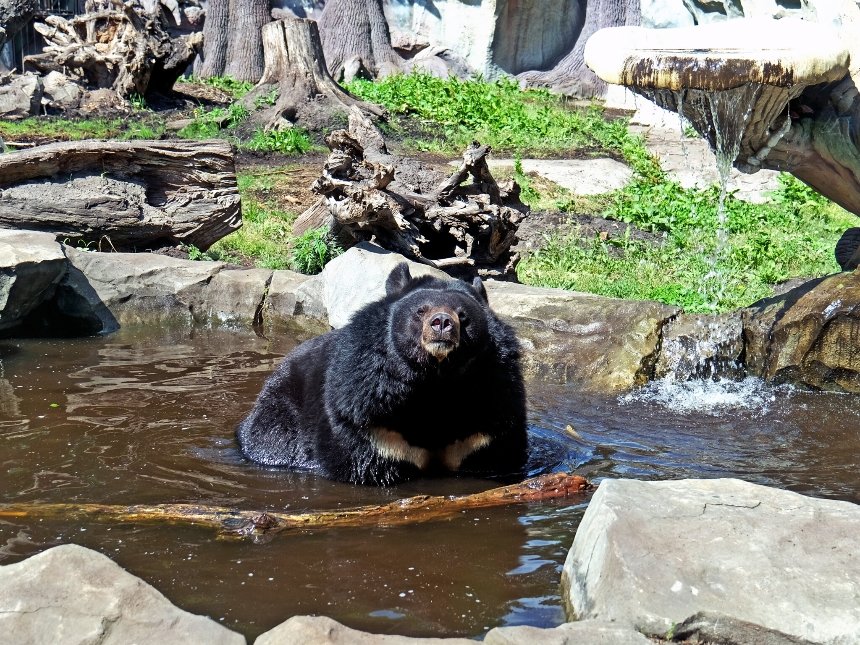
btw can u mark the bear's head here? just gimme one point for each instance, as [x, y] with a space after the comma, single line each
[433, 320]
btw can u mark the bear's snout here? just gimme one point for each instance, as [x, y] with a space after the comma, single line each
[441, 332]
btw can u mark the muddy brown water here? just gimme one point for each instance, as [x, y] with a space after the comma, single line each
[148, 417]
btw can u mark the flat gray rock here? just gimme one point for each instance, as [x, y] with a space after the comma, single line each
[70, 595]
[650, 555]
[31, 266]
[579, 176]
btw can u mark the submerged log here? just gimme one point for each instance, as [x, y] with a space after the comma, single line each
[123, 195]
[236, 524]
[408, 207]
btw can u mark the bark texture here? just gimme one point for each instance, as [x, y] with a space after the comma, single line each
[408, 207]
[571, 75]
[233, 523]
[124, 48]
[245, 49]
[216, 31]
[295, 73]
[123, 195]
[356, 40]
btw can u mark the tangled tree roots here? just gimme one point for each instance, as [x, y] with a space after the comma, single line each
[121, 47]
[407, 207]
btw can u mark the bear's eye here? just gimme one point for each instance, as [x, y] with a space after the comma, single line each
[464, 318]
[421, 310]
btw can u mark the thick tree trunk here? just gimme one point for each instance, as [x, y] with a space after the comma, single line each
[123, 195]
[295, 72]
[216, 29]
[356, 40]
[571, 75]
[232, 523]
[245, 49]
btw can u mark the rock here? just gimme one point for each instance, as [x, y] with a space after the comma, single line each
[293, 305]
[60, 93]
[356, 278]
[590, 632]
[321, 630]
[808, 335]
[148, 288]
[579, 176]
[701, 346]
[69, 594]
[31, 266]
[650, 555]
[21, 97]
[660, 14]
[493, 38]
[596, 343]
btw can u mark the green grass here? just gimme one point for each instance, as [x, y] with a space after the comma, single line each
[147, 127]
[236, 89]
[792, 236]
[264, 239]
[456, 112]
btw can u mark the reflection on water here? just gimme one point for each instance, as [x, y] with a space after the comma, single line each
[149, 417]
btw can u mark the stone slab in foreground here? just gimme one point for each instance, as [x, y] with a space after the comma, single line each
[650, 555]
[70, 594]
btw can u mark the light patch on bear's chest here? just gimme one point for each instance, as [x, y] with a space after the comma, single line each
[392, 445]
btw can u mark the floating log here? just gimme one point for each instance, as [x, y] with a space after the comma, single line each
[127, 195]
[232, 523]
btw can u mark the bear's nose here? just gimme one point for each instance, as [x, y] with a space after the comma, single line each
[441, 323]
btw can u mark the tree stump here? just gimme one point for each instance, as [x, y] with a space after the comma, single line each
[296, 82]
[124, 48]
[123, 195]
[408, 207]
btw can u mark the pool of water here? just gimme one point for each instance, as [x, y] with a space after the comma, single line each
[148, 417]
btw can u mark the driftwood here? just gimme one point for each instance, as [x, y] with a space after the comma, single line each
[296, 85]
[415, 210]
[234, 523]
[124, 195]
[115, 45]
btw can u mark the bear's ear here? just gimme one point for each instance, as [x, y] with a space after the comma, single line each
[398, 279]
[478, 286]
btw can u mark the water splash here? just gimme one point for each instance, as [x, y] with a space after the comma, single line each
[715, 397]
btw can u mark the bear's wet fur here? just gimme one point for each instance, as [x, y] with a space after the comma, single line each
[426, 380]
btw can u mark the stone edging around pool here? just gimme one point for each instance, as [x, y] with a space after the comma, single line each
[720, 560]
[596, 343]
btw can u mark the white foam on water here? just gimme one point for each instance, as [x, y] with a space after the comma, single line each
[710, 396]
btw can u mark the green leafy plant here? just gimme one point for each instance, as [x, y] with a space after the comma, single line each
[210, 124]
[291, 141]
[313, 249]
[237, 89]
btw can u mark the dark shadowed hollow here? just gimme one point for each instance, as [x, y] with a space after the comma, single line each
[148, 417]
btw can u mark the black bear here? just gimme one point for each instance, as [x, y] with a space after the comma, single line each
[426, 380]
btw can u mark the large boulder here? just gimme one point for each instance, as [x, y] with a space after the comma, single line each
[31, 266]
[808, 335]
[72, 595]
[651, 555]
[596, 343]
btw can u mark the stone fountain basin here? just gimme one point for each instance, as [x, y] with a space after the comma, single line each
[782, 53]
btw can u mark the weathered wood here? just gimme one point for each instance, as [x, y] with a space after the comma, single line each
[131, 195]
[404, 206]
[295, 72]
[235, 523]
[124, 48]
